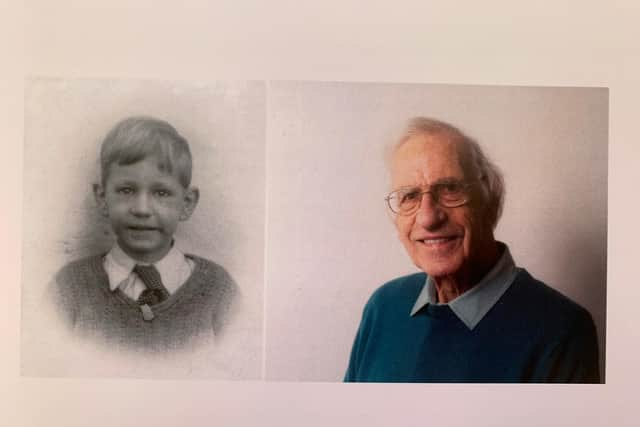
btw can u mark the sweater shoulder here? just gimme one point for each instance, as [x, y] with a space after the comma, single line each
[77, 273]
[212, 278]
[218, 290]
[74, 284]
[213, 271]
[546, 303]
[398, 293]
[79, 266]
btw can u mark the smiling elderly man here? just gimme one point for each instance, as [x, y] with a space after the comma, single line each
[472, 315]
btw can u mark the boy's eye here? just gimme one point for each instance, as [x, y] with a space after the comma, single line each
[163, 193]
[125, 190]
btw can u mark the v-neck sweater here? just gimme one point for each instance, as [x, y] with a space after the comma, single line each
[532, 334]
[197, 311]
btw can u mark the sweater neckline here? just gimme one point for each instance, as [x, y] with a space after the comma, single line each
[192, 281]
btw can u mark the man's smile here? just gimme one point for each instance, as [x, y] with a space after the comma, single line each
[437, 240]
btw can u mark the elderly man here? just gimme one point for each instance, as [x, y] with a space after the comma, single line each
[472, 315]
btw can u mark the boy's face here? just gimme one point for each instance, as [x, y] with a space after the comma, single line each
[144, 206]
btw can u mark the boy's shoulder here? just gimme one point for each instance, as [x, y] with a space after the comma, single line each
[216, 289]
[90, 265]
[211, 272]
[206, 266]
[76, 282]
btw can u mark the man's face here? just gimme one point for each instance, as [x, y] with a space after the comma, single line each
[144, 206]
[441, 241]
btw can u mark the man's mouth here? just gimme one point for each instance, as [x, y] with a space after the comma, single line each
[434, 241]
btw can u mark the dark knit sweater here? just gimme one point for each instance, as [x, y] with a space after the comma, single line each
[195, 312]
[532, 334]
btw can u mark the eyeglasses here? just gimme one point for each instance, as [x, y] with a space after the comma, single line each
[448, 194]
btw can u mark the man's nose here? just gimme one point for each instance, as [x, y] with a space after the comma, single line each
[430, 215]
[141, 205]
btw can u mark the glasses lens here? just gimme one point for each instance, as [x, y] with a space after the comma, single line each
[448, 194]
[451, 194]
[404, 200]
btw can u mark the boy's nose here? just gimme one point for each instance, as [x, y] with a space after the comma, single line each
[141, 205]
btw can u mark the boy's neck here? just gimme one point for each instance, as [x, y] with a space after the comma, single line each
[141, 258]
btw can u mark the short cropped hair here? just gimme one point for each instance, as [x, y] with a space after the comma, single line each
[137, 138]
[490, 177]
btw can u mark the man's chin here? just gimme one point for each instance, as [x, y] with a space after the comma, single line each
[440, 267]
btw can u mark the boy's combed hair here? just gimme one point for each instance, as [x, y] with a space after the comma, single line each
[136, 138]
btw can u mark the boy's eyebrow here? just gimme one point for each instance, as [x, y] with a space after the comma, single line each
[121, 181]
[154, 184]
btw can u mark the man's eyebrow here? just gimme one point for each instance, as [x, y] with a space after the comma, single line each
[407, 188]
[445, 180]
[449, 180]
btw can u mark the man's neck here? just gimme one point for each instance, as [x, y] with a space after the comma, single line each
[450, 287]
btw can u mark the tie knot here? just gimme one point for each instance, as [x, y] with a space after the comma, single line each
[156, 292]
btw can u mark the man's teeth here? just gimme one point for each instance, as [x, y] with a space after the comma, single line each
[439, 240]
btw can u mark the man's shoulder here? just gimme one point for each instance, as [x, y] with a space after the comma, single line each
[400, 290]
[544, 301]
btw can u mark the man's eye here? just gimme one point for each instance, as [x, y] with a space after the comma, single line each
[163, 193]
[451, 187]
[410, 196]
[450, 190]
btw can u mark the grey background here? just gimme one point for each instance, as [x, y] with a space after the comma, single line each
[331, 241]
[65, 122]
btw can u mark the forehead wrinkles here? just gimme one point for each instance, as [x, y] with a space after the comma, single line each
[424, 159]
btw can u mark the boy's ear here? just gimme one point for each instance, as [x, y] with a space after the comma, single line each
[101, 200]
[191, 198]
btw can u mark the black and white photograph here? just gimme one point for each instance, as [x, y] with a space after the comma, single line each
[143, 254]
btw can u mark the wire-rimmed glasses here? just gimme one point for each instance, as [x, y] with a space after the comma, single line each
[448, 194]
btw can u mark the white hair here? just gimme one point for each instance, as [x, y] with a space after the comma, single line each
[490, 177]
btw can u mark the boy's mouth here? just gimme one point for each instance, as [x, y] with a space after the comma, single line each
[142, 228]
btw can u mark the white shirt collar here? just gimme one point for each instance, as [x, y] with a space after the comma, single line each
[119, 267]
[473, 305]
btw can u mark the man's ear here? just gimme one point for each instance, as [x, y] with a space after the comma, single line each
[101, 200]
[191, 198]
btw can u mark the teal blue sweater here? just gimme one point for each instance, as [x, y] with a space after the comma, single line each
[532, 334]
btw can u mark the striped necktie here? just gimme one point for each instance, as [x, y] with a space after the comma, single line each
[155, 292]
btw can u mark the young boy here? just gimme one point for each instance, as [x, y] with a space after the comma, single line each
[144, 292]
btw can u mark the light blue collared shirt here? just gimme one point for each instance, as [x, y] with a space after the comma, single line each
[471, 306]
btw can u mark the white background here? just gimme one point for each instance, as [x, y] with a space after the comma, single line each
[571, 43]
[331, 241]
[65, 123]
